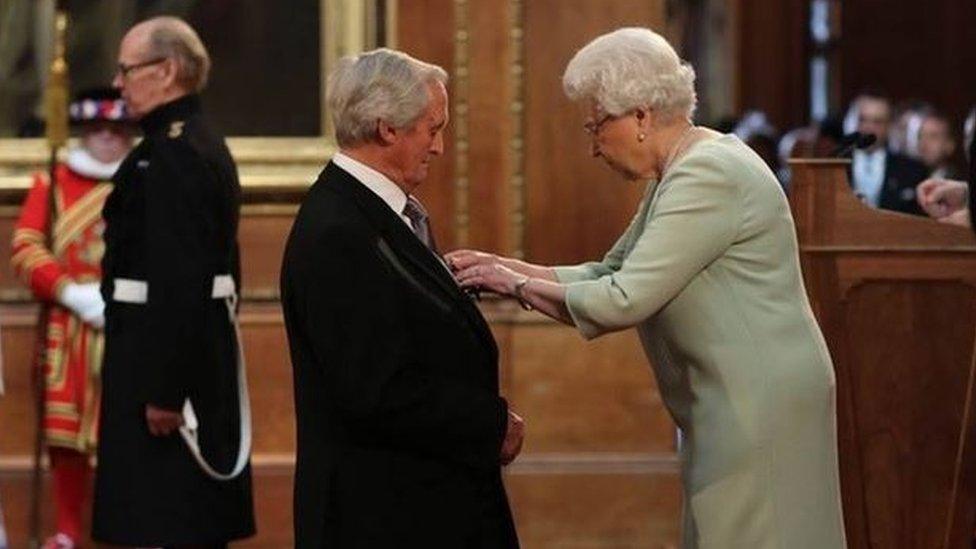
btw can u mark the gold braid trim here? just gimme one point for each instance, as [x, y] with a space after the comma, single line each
[80, 216]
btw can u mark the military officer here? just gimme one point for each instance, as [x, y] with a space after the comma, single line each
[170, 283]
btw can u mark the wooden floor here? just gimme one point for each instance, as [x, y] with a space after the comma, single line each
[551, 510]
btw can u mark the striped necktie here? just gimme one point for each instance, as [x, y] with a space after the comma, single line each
[417, 215]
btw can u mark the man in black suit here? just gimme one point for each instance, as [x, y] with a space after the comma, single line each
[170, 280]
[952, 201]
[401, 431]
[882, 178]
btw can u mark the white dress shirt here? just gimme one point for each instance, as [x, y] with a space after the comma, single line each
[382, 186]
[869, 173]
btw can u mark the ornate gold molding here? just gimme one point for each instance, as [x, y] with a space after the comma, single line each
[277, 169]
[462, 217]
[392, 16]
[517, 143]
[268, 163]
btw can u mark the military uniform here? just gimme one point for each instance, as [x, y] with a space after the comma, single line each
[74, 348]
[171, 229]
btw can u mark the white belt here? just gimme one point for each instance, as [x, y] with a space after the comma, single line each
[137, 291]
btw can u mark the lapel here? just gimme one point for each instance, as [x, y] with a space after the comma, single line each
[889, 185]
[405, 244]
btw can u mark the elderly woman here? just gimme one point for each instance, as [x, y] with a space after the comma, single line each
[709, 274]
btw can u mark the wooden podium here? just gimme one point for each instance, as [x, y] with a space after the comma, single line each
[895, 296]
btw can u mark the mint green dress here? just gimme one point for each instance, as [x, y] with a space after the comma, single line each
[708, 272]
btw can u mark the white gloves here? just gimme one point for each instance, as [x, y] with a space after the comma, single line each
[84, 300]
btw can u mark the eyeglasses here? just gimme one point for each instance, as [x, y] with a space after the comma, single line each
[124, 70]
[593, 126]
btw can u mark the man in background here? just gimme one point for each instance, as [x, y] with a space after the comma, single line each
[949, 200]
[401, 430]
[170, 277]
[882, 178]
[936, 147]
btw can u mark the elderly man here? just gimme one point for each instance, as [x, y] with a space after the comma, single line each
[401, 431]
[170, 275]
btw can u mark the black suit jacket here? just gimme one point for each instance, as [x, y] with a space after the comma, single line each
[902, 175]
[171, 221]
[400, 423]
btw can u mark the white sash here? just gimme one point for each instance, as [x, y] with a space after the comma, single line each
[137, 291]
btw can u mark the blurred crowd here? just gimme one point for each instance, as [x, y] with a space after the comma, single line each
[912, 142]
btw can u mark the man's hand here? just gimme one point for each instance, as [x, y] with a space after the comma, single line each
[941, 197]
[958, 217]
[514, 434]
[162, 422]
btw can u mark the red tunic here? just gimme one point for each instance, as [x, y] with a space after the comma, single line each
[74, 349]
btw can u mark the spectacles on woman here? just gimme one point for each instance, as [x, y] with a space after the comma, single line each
[593, 126]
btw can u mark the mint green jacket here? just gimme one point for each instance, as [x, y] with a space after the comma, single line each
[708, 272]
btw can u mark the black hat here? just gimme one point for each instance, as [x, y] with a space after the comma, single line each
[98, 105]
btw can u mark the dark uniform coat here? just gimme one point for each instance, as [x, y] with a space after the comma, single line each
[400, 423]
[172, 222]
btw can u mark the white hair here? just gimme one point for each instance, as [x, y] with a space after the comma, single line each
[631, 68]
[175, 38]
[381, 84]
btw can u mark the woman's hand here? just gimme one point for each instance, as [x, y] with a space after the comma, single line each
[486, 275]
[534, 286]
[458, 260]
[476, 270]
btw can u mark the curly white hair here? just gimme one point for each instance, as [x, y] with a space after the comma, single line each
[631, 68]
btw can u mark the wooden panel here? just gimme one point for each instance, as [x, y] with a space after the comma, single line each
[9, 284]
[263, 231]
[17, 405]
[15, 488]
[772, 49]
[637, 510]
[828, 214]
[262, 235]
[425, 31]
[597, 431]
[269, 377]
[575, 509]
[910, 401]
[576, 207]
[581, 397]
[875, 53]
[490, 96]
[895, 296]
[272, 509]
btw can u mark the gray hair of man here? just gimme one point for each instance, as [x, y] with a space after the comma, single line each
[381, 84]
[632, 68]
[174, 38]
